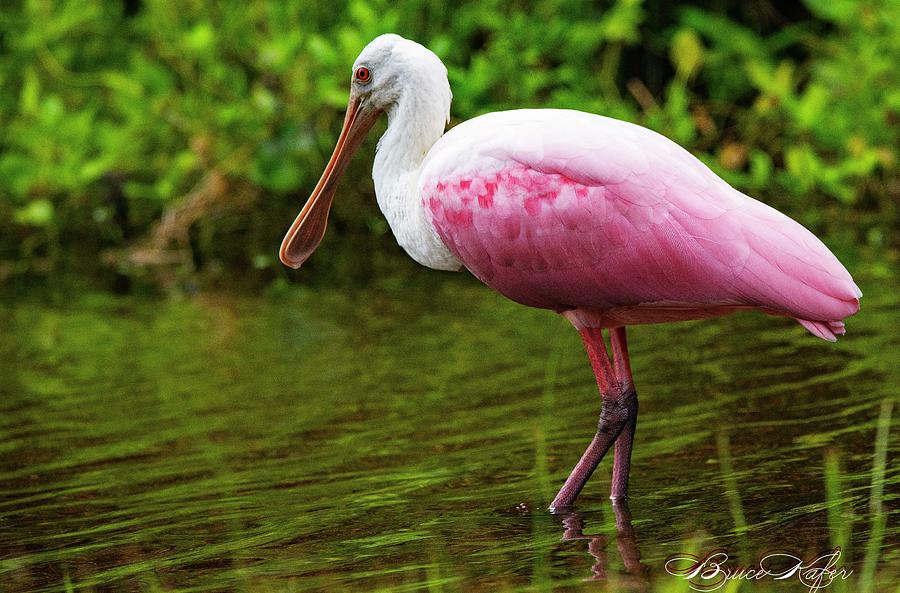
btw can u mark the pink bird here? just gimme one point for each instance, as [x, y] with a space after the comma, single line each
[603, 221]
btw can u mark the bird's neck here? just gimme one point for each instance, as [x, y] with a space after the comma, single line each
[415, 122]
[414, 125]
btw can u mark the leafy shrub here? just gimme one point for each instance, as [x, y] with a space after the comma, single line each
[113, 113]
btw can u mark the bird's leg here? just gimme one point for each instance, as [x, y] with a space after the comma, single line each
[622, 455]
[619, 406]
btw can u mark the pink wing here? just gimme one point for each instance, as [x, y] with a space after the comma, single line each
[567, 210]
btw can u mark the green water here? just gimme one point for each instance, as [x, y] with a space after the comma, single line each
[409, 439]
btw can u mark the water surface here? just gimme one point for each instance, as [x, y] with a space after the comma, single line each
[409, 439]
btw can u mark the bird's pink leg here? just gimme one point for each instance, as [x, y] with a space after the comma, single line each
[618, 411]
[622, 455]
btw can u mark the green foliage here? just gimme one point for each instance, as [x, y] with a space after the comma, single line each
[112, 112]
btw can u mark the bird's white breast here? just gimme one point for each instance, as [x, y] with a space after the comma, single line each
[398, 197]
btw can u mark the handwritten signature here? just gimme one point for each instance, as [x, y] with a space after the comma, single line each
[711, 572]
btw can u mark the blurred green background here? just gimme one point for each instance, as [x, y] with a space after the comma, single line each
[174, 141]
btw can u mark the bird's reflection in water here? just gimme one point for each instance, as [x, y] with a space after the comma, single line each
[636, 573]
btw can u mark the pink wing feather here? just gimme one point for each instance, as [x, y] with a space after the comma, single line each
[571, 211]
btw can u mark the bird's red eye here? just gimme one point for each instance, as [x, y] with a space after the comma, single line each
[363, 74]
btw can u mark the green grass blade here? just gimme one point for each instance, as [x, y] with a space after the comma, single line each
[876, 508]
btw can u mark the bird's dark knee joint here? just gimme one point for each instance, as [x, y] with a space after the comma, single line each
[617, 411]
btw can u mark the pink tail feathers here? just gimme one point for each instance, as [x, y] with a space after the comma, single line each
[827, 330]
[831, 329]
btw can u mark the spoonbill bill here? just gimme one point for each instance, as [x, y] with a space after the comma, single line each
[603, 221]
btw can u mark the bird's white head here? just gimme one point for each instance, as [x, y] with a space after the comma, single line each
[392, 70]
[391, 75]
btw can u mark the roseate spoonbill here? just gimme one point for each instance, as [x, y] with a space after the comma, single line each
[603, 221]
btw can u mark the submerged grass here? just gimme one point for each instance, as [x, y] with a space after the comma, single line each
[840, 519]
[726, 467]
